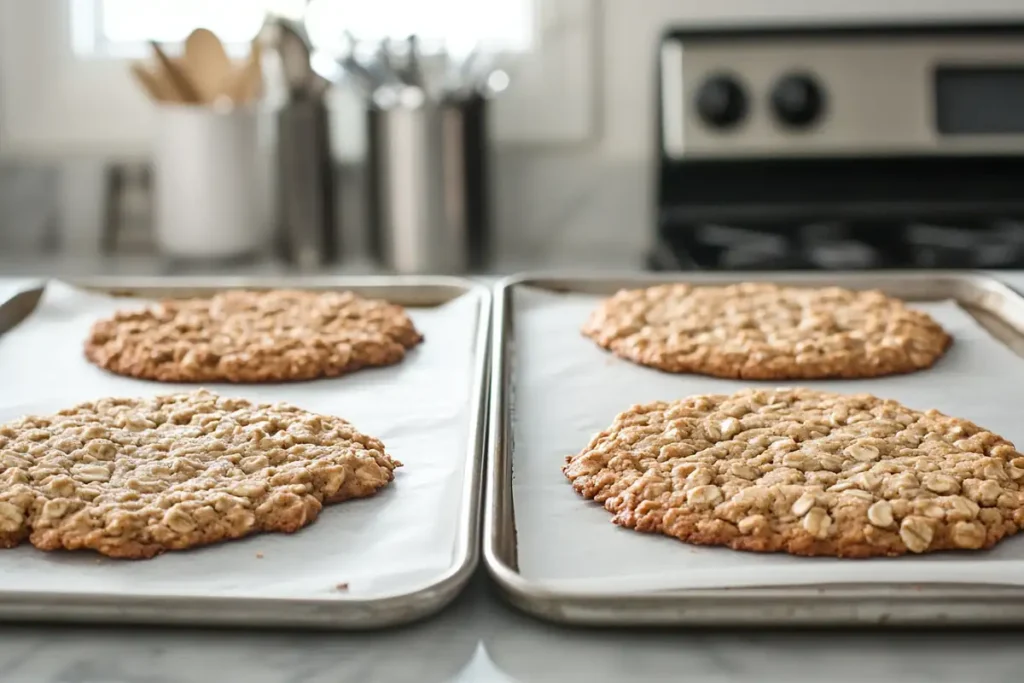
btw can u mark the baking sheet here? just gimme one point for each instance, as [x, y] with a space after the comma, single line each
[566, 389]
[400, 540]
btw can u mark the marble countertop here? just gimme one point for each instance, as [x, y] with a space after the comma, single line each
[479, 638]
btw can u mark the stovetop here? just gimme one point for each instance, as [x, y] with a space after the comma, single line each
[836, 245]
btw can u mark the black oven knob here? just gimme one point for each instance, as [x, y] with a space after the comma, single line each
[797, 100]
[721, 101]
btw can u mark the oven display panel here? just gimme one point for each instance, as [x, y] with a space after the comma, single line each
[979, 100]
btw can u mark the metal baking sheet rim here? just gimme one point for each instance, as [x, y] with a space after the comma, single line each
[845, 605]
[339, 613]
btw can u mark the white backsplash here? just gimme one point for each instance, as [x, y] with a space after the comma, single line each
[593, 198]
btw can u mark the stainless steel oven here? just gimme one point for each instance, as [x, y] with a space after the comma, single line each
[841, 147]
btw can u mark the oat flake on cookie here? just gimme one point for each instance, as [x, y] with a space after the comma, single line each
[252, 336]
[804, 472]
[132, 478]
[763, 331]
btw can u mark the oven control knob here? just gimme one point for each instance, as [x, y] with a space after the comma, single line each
[797, 100]
[721, 102]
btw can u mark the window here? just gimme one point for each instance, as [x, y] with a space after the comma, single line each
[119, 28]
[79, 97]
[504, 24]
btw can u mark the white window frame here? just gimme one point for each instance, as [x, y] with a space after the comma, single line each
[54, 103]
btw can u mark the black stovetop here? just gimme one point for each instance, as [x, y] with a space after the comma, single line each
[877, 244]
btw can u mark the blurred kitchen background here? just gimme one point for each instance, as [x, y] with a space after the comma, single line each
[506, 135]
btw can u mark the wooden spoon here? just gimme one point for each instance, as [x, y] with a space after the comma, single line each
[156, 87]
[244, 84]
[184, 89]
[207, 62]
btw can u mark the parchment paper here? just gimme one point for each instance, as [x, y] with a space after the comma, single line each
[567, 389]
[397, 541]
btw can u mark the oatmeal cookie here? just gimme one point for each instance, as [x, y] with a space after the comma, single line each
[761, 331]
[248, 336]
[132, 478]
[804, 472]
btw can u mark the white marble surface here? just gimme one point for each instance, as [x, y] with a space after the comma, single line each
[479, 638]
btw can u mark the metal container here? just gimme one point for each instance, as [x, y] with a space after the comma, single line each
[978, 596]
[306, 234]
[123, 602]
[427, 177]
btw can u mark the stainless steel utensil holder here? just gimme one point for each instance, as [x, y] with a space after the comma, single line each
[427, 181]
[307, 235]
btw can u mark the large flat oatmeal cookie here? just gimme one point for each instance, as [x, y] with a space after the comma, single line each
[764, 331]
[804, 472]
[250, 336]
[132, 478]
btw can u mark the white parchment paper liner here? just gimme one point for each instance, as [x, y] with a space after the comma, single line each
[567, 389]
[397, 541]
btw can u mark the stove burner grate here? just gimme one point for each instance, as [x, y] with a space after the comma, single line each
[840, 246]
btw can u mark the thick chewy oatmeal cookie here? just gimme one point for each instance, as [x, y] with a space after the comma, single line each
[132, 478]
[804, 472]
[249, 336]
[764, 331]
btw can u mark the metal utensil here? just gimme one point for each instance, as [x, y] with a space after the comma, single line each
[476, 70]
[468, 63]
[384, 66]
[412, 71]
[363, 77]
[18, 307]
[350, 67]
[295, 61]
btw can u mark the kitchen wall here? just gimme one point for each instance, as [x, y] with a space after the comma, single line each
[28, 216]
[591, 198]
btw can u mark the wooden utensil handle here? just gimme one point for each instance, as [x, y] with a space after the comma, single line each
[152, 85]
[183, 86]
